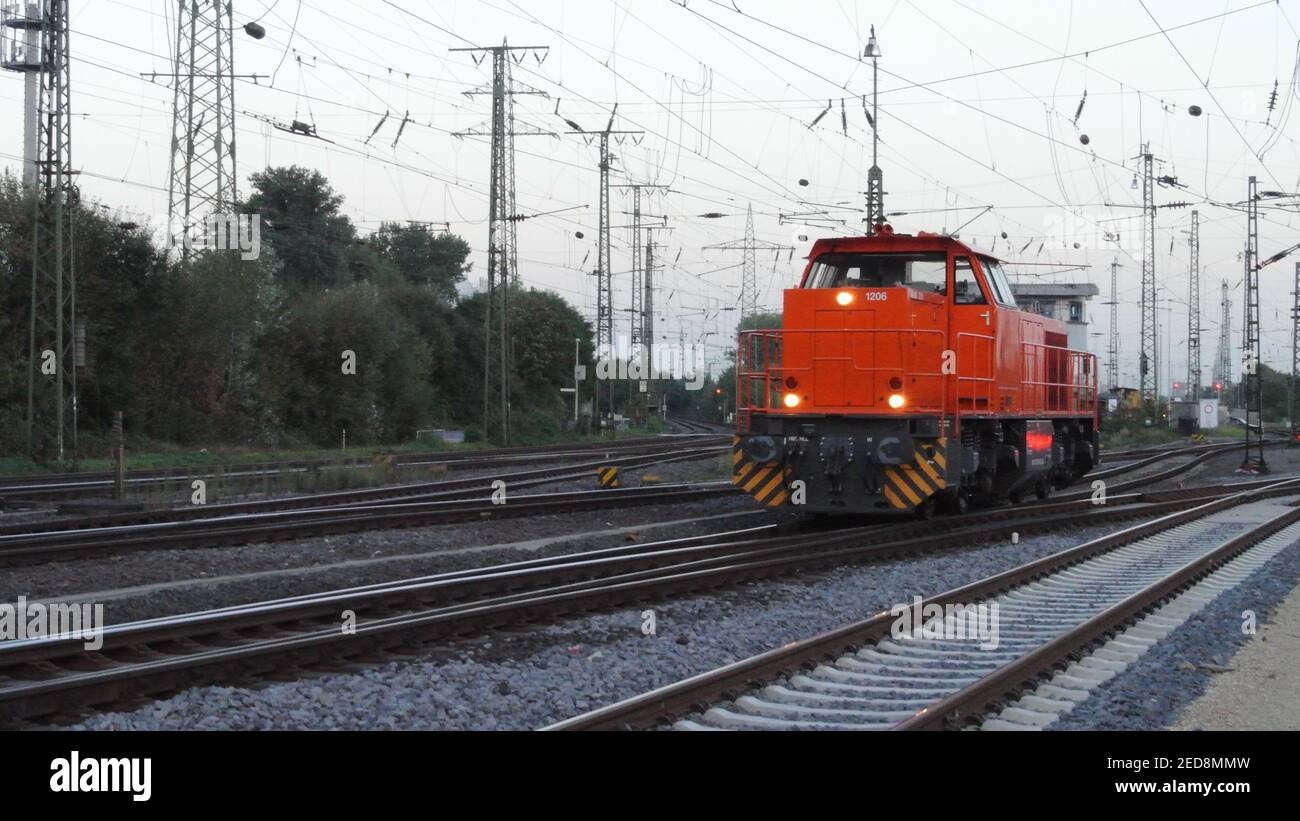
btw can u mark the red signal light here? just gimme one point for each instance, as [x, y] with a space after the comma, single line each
[1038, 441]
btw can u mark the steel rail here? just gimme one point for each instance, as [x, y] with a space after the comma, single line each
[695, 693]
[60, 485]
[279, 526]
[975, 698]
[426, 491]
[156, 654]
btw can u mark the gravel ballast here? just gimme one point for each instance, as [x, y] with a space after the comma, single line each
[1155, 690]
[529, 678]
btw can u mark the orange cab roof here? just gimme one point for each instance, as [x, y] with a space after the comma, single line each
[891, 242]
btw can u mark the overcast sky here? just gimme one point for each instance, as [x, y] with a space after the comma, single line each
[978, 108]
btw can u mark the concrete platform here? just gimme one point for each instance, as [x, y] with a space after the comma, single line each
[1261, 689]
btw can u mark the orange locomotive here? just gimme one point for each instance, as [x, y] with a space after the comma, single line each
[905, 378]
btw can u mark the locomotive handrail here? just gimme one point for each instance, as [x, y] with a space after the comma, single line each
[981, 387]
[1058, 380]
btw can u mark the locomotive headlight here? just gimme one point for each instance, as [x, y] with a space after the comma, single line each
[844, 297]
[791, 400]
[896, 401]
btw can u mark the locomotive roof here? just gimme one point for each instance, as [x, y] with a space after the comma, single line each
[895, 243]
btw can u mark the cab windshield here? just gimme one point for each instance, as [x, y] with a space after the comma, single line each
[998, 279]
[927, 271]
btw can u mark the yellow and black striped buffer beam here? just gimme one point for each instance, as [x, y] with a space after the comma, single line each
[910, 484]
[768, 482]
[608, 476]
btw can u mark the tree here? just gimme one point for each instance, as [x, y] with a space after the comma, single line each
[118, 272]
[198, 374]
[453, 364]
[301, 222]
[341, 360]
[543, 327]
[435, 261]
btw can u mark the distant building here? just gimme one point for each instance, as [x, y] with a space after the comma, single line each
[1125, 399]
[1066, 301]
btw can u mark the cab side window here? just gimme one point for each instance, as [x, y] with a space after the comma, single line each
[929, 276]
[966, 288]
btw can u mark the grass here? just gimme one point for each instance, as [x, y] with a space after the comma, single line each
[1129, 434]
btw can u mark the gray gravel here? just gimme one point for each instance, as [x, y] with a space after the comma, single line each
[1154, 691]
[531, 678]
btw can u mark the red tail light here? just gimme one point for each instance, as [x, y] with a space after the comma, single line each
[1038, 441]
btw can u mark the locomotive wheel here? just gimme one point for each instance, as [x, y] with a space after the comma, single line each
[955, 502]
[925, 510]
[1043, 489]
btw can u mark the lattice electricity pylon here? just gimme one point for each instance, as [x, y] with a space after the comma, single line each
[1223, 357]
[1253, 385]
[1194, 310]
[202, 177]
[54, 352]
[749, 276]
[647, 347]
[1149, 363]
[1112, 351]
[503, 255]
[604, 396]
[637, 334]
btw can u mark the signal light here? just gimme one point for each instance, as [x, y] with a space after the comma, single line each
[1038, 441]
[844, 297]
[791, 400]
[896, 401]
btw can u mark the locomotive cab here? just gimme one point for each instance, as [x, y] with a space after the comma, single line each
[905, 376]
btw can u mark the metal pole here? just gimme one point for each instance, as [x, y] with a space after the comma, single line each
[1194, 312]
[1295, 354]
[503, 266]
[119, 457]
[1112, 354]
[1149, 366]
[875, 180]
[1254, 461]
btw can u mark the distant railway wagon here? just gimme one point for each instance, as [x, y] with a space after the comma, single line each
[904, 379]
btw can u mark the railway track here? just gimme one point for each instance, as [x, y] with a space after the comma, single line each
[873, 675]
[695, 426]
[1200, 454]
[411, 505]
[29, 488]
[325, 514]
[56, 675]
[418, 491]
